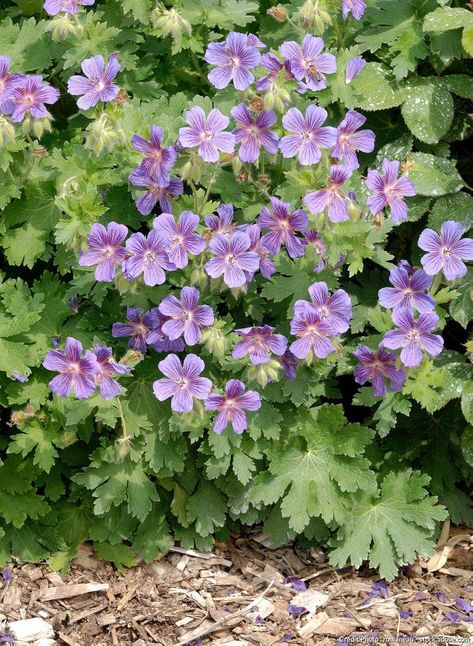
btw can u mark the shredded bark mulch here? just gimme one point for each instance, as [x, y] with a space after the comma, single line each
[244, 593]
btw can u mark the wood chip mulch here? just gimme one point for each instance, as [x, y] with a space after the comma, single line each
[244, 593]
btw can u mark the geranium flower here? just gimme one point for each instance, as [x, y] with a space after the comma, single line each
[29, 98]
[234, 58]
[105, 250]
[185, 317]
[389, 190]
[349, 141]
[308, 137]
[446, 252]
[231, 257]
[313, 239]
[182, 382]
[155, 193]
[266, 265]
[353, 68]
[409, 287]
[335, 309]
[272, 64]
[180, 236]
[148, 256]
[223, 222]
[207, 133]
[53, 7]
[97, 84]
[308, 64]
[157, 339]
[356, 7]
[283, 226]
[77, 372]
[259, 343]
[138, 327]
[232, 405]
[378, 367]
[253, 132]
[288, 362]
[8, 82]
[108, 386]
[331, 197]
[313, 333]
[413, 336]
[157, 160]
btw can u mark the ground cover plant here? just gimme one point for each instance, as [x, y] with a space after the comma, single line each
[235, 281]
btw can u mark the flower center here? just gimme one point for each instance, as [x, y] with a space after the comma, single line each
[413, 335]
[182, 382]
[149, 256]
[206, 135]
[100, 86]
[231, 258]
[307, 135]
[324, 311]
[446, 251]
[28, 99]
[74, 368]
[176, 240]
[235, 60]
[108, 252]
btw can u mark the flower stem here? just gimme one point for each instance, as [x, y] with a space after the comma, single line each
[125, 435]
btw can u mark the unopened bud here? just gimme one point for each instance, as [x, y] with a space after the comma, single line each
[192, 169]
[265, 372]
[121, 97]
[7, 131]
[169, 22]
[131, 358]
[279, 13]
[378, 219]
[199, 277]
[236, 165]
[213, 338]
[36, 126]
[313, 15]
[64, 25]
[243, 177]
[18, 418]
[40, 152]
[104, 134]
[67, 438]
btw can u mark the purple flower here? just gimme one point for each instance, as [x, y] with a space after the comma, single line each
[356, 7]
[234, 58]
[185, 316]
[148, 256]
[349, 141]
[182, 382]
[206, 133]
[108, 387]
[377, 367]
[452, 616]
[105, 250]
[296, 611]
[259, 343]
[223, 222]
[19, 377]
[266, 265]
[273, 65]
[231, 407]
[181, 237]
[77, 371]
[231, 257]
[156, 338]
[312, 239]
[7, 637]
[308, 63]
[409, 287]
[296, 583]
[413, 336]
[30, 98]
[155, 193]
[405, 614]
[313, 333]
[74, 304]
[331, 197]
[463, 604]
[253, 132]
[446, 251]
[157, 160]
[289, 365]
[283, 224]
[8, 82]
[53, 7]
[335, 310]
[353, 68]
[309, 136]
[138, 327]
[389, 190]
[7, 574]
[97, 84]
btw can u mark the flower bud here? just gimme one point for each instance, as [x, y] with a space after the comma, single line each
[214, 339]
[40, 126]
[313, 15]
[277, 97]
[104, 134]
[7, 131]
[236, 165]
[265, 372]
[39, 152]
[169, 22]
[131, 358]
[279, 13]
[199, 277]
[67, 438]
[64, 25]
[192, 169]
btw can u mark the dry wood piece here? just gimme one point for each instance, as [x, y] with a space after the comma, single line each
[68, 640]
[107, 619]
[74, 590]
[83, 614]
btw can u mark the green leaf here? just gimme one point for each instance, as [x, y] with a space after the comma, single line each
[446, 18]
[312, 473]
[152, 538]
[140, 9]
[34, 437]
[428, 110]
[466, 444]
[424, 385]
[433, 175]
[461, 309]
[460, 84]
[206, 507]
[458, 207]
[120, 555]
[376, 89]
[391, 526]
